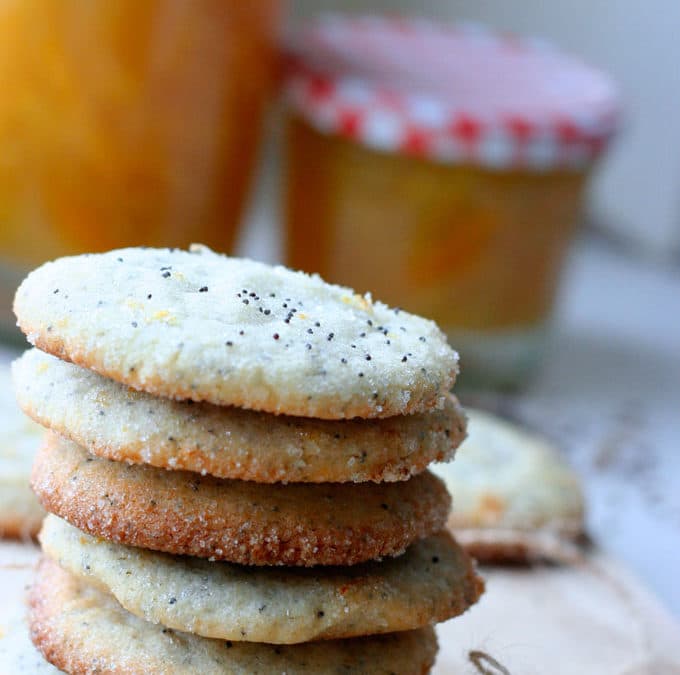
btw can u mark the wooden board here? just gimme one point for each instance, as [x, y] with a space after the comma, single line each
[589, 619]
[592, 618]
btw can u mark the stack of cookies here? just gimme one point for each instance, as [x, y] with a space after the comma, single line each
[237, 469]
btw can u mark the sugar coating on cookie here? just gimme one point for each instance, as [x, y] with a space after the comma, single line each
[433, 581]
[83, 630]
[249, 523]
[201, 326]
[114, 421]
[515, 497]
[20, 512]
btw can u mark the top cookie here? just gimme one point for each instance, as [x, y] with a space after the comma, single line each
[201, 326]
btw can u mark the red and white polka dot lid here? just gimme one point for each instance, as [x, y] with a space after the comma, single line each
[457, 93]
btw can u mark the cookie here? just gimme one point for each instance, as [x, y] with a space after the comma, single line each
[249, 523]
[83, 630]
[17, 654]
[201, 326]
[512, 546]
[433, 581]
[515, 497]
[20, 511]
[114, 421]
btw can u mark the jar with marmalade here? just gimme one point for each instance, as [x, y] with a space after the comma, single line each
[127, 122]
[443, 168]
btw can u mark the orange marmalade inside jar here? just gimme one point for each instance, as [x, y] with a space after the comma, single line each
[129, 122]
[442, 168]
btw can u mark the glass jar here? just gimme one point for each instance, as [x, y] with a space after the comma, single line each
[134, 122]
[401, 178]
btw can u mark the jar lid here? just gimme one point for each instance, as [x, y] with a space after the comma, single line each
[456, 93]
